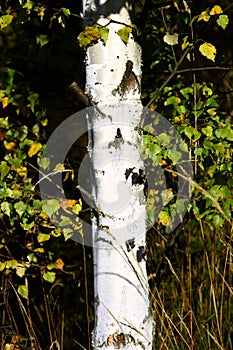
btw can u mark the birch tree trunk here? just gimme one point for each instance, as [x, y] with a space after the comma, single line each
[113, 70]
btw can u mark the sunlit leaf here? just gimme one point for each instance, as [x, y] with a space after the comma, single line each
[51, 206]
[20, 208]
[11, 264]
[20, 270]
[164, 218]
[49, 276]
[23, 291]
[174, 155]
[208, 50]
[223, 21]
[216, 10]
[34, 149]
[5, 20]
[58, 264]
[171, 39]
[204, 16]
[104, 33]
[124, 34]
[77, 207]
[9, 146]
[43, 237]
[5, 101]
[66, 11]
[4, 169]
[6, 208]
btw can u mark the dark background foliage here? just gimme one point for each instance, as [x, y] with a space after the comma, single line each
[46, 280]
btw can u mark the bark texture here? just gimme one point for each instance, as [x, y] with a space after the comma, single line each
[113, 73]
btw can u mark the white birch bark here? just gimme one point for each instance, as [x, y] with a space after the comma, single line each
[122, 311]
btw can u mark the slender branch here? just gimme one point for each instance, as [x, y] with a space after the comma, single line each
[168, 79]
[202, 68]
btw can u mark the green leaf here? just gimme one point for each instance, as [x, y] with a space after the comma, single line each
[11, 264]
[218, 221]
[20, 270]
[49, 276]
[154, 148]
[4, 169]
[208, 131]
[104, 33]
[223, 21]
[67, 233]
[43, 237]
[174, 155]
[44, 162]
[37, 204]
[20, 208]
[5, 20]
[66, 11]
[51, 206]
[42, 39]
[124, 34]
[171, 39]
[28, 6]
[6, 208]
[23, 291]
[190, 131]
[33, 98]
[208, 50]
[225, 133]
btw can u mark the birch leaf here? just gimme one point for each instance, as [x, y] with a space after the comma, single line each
[204, 16]
[20, 208]
[49, 276]
[223, 21]
[34, 149]
[42, 39]
[9, 146]
[23, 291]
[43, 237]
[164, 218]
[104, 34]
[51, 206]
[5, 20]
[5, 101]
[216, 10]
[171, 39]
[124, 34]
[208, 50]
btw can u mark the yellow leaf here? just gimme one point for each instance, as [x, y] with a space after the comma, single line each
[203, 17]
[171, 39]
[71, 202]
[34, 149]
[5, 101]
[39, 250]
[176, 6]
[59, 263]
[77, 207]
[21, 171]
[9, 145]
[208, 50]
[164, 218]
[216, 10]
